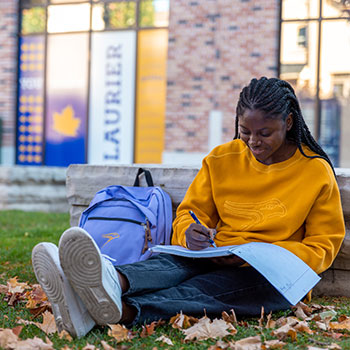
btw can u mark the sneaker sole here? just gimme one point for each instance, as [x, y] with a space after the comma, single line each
[51, 281]
[81, 263]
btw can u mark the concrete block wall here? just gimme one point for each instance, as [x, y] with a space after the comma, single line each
[8, 85]
[33, 188]
[213, 52]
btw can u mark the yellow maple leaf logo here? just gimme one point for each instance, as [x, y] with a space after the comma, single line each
[65, 122]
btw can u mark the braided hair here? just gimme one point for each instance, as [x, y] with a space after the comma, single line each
[277, 97]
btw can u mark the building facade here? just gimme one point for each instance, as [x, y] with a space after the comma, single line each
[157, 81]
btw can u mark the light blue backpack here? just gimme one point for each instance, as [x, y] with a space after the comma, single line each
[126, 221]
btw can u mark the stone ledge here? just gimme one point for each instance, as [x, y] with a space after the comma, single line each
[33, 188]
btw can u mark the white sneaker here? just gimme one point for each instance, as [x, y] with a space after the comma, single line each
[70, 313]
[91, 275]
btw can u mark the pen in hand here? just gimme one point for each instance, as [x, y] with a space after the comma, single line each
[211, 241]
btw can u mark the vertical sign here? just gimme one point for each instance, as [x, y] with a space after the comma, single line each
[66, 99]
[151, 95]
[111, 114]
[30, 101]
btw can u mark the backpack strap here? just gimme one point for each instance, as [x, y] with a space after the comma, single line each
[148, 176]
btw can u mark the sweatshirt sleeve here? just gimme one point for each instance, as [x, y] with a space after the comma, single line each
[199, 199]
[324, 230]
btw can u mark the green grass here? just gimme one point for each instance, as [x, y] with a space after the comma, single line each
[21, 231]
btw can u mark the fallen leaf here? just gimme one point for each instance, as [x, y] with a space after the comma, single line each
[303, 327]
[148, 329]
[220, 345]
[284, 332]
[8, 339]
[89, 347]
[261, 319]
[270, 323]
[37, 301]
[119, 332]
[165, 340]
[229, 318]
[17, 330]
[16, 287]
[106, 346]
[3, 289]
[334, 346]
[250, 343]
[206, 329]
[343, 323]
[327, 314]
[273, 344]
[321, 325]
[181, 321]
[49, 325]
[65, 335]
[33, 344]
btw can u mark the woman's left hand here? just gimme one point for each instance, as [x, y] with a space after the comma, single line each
[231, 260]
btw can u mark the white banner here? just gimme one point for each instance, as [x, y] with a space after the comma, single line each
[112, 90]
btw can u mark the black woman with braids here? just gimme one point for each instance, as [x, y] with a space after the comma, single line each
[272, 183]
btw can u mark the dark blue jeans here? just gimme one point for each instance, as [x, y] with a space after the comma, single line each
[164, 285]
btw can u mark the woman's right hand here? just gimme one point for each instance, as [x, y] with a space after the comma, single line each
[197, 237]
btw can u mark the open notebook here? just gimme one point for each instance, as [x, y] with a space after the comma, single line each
[284, 270]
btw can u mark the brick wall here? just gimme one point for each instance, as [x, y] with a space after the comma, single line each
[215, 48]
[8, 59]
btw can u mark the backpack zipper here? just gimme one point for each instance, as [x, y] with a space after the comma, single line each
[146, 227]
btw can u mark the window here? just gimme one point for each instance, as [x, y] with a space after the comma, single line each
[83, 94]
[315, 59]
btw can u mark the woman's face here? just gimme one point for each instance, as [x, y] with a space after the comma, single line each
[265, 136]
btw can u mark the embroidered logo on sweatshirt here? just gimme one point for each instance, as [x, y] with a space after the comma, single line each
[252, 214]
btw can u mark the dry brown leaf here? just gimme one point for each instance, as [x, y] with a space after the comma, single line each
[17, 330]
[65, 335]
[49, 325]
[3, 289]
[149, 329]
[37, 301]
[273, 344]
[303, 327]
[89, 347]
[339, 325]
[206, 329]
[119, 332]
[221, 345]
[33, 344]
[250, 343]
[16, 287]
[287, 320]
[270, 323]
[106, 346]
[321, 325]
[66, 347]
[284, 332]
[181, 321]
[229, 318]
[261, 319]
[165, 340]
[8, 339]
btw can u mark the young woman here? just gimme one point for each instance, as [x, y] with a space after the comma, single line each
[273, 183]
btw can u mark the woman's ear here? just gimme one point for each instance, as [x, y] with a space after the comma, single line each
[289, 121]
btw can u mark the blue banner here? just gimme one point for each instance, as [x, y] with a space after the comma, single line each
[66, 99]
[30, 101]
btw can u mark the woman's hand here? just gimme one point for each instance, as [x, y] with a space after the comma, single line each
[231, 260]
[197, 236]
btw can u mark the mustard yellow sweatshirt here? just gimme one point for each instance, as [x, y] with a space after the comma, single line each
[294, 204]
